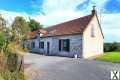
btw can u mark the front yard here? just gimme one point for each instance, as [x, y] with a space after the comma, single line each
[110, 57]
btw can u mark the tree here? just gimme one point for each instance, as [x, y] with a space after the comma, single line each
[2, 23]
[19, 31]
[114, 46]
[20, 25]
[34, 25]
[10, 46]
[108, 47]
[2, 32]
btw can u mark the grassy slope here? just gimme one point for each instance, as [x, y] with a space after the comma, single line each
[110, 57]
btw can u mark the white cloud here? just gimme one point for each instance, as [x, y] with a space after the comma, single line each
[59, 5]
[58, 11]
[58, 17]
[63, 10]
[111, 26]
[99, 5]
[10, 15]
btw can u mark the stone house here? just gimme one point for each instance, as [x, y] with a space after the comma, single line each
[82, 37]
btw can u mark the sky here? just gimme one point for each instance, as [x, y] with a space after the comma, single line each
[51, 12]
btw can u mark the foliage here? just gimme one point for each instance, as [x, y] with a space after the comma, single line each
[20, 25]
[8, 75]
[10, 46]
[2, 35]
[12, 62]
[2, 23]
[16, 48]
[34, 25]
[108, 47]
[2, 40]
[110, 57]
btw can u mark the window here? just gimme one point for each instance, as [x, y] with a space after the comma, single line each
[41, 45]
[92, 31]
[64, 45]
[33, 44]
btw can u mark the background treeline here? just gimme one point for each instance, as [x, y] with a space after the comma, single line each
[109, 47]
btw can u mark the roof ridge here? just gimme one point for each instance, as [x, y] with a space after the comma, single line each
[75, 26]
[67, 21]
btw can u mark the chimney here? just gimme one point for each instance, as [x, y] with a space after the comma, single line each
[93, 11]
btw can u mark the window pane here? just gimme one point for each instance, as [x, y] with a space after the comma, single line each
[41, 45]
[64, 45]
[33, 44]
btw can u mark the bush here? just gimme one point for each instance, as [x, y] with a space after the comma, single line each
[10, 42]
[7, 75]
[12, 62]
[109, 47]
[9, 68]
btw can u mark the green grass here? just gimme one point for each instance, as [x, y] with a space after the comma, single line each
[110, 57]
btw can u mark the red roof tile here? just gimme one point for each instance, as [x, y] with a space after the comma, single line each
[34, 33]
[76, 26]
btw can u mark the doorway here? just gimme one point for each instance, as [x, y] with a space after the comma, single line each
[48, 48]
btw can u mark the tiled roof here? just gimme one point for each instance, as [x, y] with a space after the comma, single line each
[76, 26]
[34, 33]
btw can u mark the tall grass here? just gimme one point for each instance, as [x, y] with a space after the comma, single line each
[6, 73]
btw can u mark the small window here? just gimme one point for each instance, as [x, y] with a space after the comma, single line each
[41, 45]
[33, 44]
[92, 31]
[64, 45]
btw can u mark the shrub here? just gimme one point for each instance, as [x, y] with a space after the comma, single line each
[12, 62]
[109, 47]
[8, 75]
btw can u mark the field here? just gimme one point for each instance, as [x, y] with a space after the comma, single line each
[110, 57]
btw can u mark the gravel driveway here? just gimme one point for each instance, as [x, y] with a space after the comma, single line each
[62, 68]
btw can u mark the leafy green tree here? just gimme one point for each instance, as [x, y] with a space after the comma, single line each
[114, 46]
[10, 45]
[2, 32]
[20, 25]
[19, 30]
[34, 25]
[108, 47]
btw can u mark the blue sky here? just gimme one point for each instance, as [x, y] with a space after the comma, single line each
[51, 12]
[28, 6]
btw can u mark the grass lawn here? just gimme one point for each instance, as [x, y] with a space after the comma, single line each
[110, 57]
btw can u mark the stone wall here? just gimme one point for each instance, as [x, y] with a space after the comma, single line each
[75, 45]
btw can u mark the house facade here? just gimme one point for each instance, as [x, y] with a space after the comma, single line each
[82, 37]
